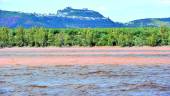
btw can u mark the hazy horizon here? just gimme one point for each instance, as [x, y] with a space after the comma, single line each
[120, 11]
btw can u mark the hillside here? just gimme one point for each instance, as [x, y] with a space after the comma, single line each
[66, 18]
[72, 18]
[149, 22]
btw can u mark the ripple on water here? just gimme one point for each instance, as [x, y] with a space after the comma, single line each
[89, 80]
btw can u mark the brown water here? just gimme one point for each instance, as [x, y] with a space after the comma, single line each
[85, 71]
[87, 80]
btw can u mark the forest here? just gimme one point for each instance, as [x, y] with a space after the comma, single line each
[43, 37]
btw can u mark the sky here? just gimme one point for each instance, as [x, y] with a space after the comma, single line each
[117, 10]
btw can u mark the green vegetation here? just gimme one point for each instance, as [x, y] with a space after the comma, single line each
[42, 37]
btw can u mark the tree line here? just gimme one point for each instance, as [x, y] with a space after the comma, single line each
[43, 37]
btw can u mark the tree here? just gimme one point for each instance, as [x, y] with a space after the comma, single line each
[20, 37]
[4, 37]
[41, 37]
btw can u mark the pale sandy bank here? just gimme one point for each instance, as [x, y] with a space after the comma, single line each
[84, 56]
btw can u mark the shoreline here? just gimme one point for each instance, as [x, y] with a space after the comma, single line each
[31, 56]
[95, 47]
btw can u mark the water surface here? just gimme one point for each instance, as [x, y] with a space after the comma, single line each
[87, 80]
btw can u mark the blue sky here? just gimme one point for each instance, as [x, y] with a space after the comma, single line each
[117, 10]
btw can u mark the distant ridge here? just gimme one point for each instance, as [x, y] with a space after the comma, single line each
[72, 18]
[149, 22]
[66, 18]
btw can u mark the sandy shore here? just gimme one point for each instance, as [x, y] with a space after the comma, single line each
[84, 56]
